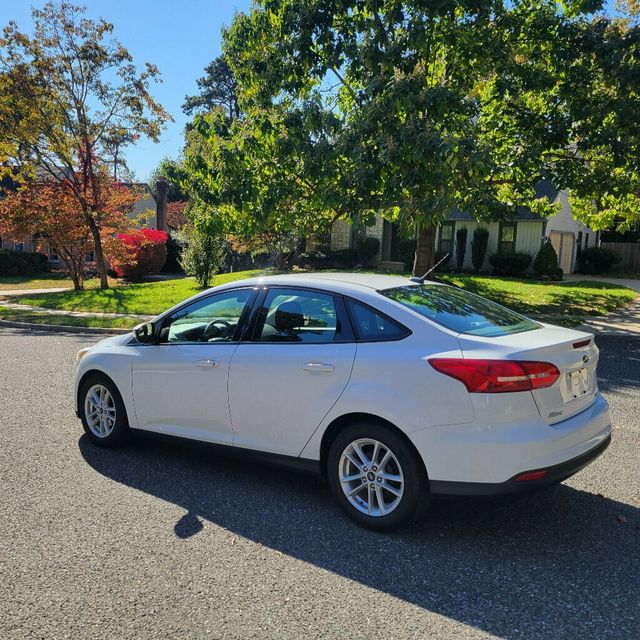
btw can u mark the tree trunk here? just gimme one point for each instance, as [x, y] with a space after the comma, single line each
[97, 251]
[425, 250]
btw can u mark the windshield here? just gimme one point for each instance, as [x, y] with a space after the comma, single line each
[461, 311]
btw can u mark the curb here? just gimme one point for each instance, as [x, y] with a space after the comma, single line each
[61, 328]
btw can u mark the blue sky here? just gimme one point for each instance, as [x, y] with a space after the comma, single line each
[180, 37]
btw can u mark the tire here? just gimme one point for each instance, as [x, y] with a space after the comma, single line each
[113, 431]
[404, 490]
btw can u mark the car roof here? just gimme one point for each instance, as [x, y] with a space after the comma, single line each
[330, 280]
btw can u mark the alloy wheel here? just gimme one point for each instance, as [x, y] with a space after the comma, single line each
[100, 410]
[371, 477]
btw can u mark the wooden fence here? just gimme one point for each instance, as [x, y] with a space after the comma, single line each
[630, 252]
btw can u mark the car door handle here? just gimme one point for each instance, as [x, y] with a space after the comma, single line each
[319, 366]
[207, 364]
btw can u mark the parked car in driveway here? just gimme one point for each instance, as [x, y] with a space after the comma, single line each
[396, 389]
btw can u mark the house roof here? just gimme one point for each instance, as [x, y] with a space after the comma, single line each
[543, 189]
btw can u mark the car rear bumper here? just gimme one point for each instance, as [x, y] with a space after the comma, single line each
[553, 475]
[493, 454]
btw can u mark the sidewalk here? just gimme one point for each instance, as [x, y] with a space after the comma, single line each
[78, 314]
[5, 293]
[620, 323]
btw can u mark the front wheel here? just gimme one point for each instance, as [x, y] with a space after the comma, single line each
[102, 411]
[376, 477]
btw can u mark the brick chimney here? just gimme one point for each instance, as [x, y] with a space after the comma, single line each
[161, 204]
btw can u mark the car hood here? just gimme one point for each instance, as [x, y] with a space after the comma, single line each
[114, 341]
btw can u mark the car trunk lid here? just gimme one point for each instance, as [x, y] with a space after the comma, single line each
[574, 353]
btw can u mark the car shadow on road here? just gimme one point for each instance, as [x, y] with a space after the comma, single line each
[562, 563]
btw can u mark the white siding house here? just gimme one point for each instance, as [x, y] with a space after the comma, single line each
[525, 232]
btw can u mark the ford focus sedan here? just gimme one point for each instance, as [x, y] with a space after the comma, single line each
[395, 389]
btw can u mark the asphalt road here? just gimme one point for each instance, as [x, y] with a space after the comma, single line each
[156, 541]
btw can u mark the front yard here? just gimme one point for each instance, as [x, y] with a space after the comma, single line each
[564, 303]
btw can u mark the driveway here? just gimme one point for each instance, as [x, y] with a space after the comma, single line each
[159, 541]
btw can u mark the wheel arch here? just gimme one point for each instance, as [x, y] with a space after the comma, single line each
[343, 421]
[100, 372]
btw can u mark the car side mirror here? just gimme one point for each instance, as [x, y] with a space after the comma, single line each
[145, 333]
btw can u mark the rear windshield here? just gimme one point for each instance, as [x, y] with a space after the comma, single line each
[460, 311]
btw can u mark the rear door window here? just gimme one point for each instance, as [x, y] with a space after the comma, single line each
[374, 326]
[460, 311]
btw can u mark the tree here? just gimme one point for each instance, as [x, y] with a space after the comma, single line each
[171, 171]
[202, 254]
[440, 105]
[218, 89]
[50, 210]
[266, 179]
[70, 100]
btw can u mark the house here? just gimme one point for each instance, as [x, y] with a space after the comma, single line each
[149, 208]
[524, 232]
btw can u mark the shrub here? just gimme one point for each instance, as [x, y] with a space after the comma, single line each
[141, 252]
[479, 247]
[461, 246]
[546, 262]
[344, 258]
[202, 255]
[509, 264]
[407, 252]
[368, 249]
[22, 263]
[314, 259]
[597, 260]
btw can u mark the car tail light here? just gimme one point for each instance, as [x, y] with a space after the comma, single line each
[582, 343]
[497, 376]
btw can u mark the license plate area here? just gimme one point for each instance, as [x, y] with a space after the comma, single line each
[578, 383]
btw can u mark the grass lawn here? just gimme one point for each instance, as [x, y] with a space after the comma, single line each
[45, 281]
[147, 298]
[38, 317]
[571, 300]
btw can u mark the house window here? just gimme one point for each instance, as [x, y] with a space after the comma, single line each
[586, 241]
[90, 257]
[446, 238]
[18, 246]
[579, 245]
[507, 237]
[53, 256]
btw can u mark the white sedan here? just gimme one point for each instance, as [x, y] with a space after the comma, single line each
[397, 390]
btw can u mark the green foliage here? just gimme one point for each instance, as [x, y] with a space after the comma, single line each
[218, 89]
[510, 264]
[368, 249]
[597, 260]
[202, 255]
[546, 262]
[171, 171]
[21, 263]
[479, 246]
[461, 246]
[439, 105]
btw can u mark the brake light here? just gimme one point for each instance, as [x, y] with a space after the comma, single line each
[497, 376]
[582, 343]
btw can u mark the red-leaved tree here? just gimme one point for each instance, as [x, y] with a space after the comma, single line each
[139, 253]
[50, 210]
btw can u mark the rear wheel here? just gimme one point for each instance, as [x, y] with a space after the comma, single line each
[376, 477]
[102, 411]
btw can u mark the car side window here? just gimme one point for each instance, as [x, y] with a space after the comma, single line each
[298, 316]
[374, 326]
[211, 319]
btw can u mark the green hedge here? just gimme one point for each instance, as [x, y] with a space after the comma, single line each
[21, 263]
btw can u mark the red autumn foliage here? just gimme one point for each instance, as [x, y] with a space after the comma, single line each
[141, 252]
[50, 210]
